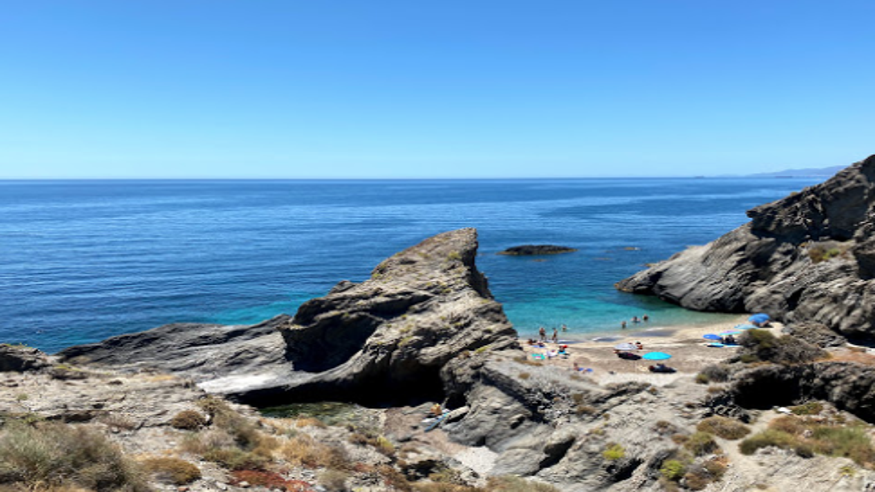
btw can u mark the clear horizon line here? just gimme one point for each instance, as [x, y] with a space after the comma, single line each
[480, 178]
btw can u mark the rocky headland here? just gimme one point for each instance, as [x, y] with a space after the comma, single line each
[809, 257]
[425, 330]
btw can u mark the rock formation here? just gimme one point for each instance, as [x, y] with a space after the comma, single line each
[384, 340]
[194, 350]
[807, 257]
[536, 249]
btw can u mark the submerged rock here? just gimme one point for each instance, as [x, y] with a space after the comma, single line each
[809, 257]
[536, 249]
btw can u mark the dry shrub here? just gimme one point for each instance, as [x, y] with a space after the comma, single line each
[188, 420]
[394, 478]
[369, 438]
[443, 487]
[680, 439]
[333, 480]
[701, 443]
[769, 437]
[236, 459]
[723, 427]
[789, 424]
[267, 479]
[762, 345]
[174, 470]
[810, 408]
[303, 450]
[697, 481]
[310, 422]
[58, 455]
[119, 421]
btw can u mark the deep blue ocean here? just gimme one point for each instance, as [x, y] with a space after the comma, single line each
[84, 260]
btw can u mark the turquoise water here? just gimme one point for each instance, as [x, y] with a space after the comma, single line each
[84, 260]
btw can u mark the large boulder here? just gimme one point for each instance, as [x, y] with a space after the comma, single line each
[19, 358]
[385, 340]
[809, 257]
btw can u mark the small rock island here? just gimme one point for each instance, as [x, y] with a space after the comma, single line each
[536, 249]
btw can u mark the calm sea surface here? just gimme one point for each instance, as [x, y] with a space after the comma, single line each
[84, 260]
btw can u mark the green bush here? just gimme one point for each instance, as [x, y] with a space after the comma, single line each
[673, 469]
[723, 427]
[769, 437]
[762, 345]
[810, 408]
[61, 455]
[613, 452]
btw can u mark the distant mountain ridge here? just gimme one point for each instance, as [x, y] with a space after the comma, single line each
[800, 173]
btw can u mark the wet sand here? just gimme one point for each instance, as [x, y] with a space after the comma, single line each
[685, 344]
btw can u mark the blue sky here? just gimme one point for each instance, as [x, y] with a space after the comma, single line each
[406, 89]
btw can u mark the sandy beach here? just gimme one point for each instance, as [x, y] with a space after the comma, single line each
[685, 344]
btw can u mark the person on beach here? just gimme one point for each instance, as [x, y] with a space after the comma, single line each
[564, 328]
[639, 345]
[543, 334]
[555, 335]
[623, 324]
[635, 319]
[645, 318]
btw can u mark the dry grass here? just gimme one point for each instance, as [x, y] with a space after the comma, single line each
[57, 455]
[808, 437]
[173, 470]
[188, 420]
[723, 427]
[303, 450]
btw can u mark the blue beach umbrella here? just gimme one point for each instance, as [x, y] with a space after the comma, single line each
[759, 318]
[711, 336]
[656, 356]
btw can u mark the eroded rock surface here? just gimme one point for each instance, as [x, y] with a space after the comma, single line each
[386, 339]
[807, 257]
[198, 351]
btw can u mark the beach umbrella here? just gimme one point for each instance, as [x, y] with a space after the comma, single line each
[759, 318]
[656, 356]
[711, 336]
[745, 327]
[625, 346]
[730, 332]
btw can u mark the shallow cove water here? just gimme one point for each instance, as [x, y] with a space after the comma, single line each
[84, 260]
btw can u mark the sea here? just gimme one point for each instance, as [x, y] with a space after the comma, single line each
[81, 261]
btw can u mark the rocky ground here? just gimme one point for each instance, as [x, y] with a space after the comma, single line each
[149, 411]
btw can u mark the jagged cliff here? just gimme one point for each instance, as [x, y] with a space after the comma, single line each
[807, 257]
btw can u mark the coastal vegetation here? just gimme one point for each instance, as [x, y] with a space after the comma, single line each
[807, 436]
[56, 455]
